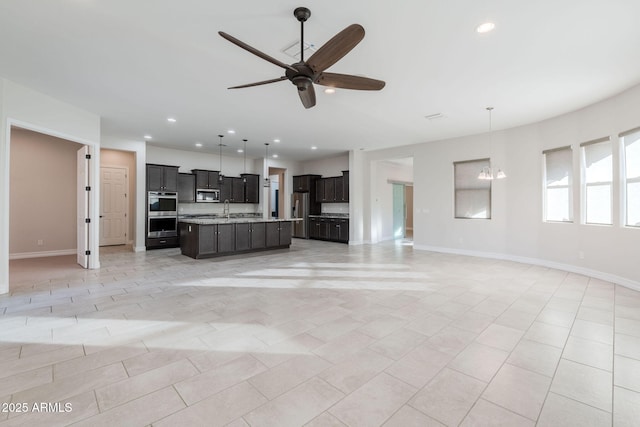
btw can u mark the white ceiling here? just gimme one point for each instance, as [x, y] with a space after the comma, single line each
[135, 63]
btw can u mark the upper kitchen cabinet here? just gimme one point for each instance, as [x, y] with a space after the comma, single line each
[206, 179]
[333, 189]
[232, 189]
[186, 188]
[251, 187]
[342, 187]
[162, 178]
[305, 183]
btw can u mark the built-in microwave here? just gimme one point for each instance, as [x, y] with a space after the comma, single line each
[162, 203]
[207, 195]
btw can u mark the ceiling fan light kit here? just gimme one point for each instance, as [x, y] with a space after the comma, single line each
[304, 74]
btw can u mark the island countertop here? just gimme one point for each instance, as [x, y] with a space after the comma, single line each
[209, 221]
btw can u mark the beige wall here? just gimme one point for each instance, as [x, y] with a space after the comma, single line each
[124, 159]
[408, 197]
[42, 193]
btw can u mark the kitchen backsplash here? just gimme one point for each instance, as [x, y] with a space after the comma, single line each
[215, 208]
[329, 208]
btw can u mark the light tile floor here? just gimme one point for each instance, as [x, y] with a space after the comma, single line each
[322, 334]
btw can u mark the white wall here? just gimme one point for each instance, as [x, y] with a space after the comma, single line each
[29, 109]
[328, 166]
[516, 230]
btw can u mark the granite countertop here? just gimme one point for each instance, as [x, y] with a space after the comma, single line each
[209, 221]
[331, 216]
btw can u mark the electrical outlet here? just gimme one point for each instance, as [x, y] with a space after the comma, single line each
[581, 255]
[40, 242]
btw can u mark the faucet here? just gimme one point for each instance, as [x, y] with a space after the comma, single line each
[225, 209]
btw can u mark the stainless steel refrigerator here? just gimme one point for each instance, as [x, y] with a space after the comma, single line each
[300, 209]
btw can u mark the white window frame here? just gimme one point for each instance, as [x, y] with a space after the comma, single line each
[546, 187]
[584, 214]
[481, 163]
[625, 180]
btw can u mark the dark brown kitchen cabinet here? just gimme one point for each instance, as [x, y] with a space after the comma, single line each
[339, 230]
[305, 183]
[278, 233]
[243, 236]
[258, 235]
[251, 187]
[250, 236]
[232, 189]
[162, 178]
[319, 228]
[198, 240]
[325, 190]
[206, 179]
[345, 186]
[331, 229]
[186, 188]
[225, 235]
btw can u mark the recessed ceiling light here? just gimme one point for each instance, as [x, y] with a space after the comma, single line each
[314, 148]
[171, 120]
[240, 150]
[275, 156]
[329, 90]
[276, 140]
[147, 137]
[485, 27]
[231, 131]
[198, 144]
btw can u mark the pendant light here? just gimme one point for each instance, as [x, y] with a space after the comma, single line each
[220, 145]
[267, 181]
[489, 173]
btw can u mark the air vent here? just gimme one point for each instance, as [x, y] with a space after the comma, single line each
[434, 116]
[294, 50]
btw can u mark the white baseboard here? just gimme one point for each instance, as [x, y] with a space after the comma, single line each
[24, 255]
[607, 277]
[139, 248]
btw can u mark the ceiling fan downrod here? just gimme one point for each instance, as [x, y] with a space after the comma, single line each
[302, 14]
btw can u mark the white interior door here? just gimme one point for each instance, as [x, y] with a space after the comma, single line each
[83, 207]
[113, 206]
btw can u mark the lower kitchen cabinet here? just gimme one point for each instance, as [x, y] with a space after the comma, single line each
[331, 229]
[226, 238]
[208, 240]
[250, 236]
[258, 235]
[278, 234]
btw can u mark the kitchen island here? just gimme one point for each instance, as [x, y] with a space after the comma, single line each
[211, 237]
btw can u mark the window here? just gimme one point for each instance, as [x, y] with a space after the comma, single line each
[597, 158]
[472, 195]
[631, 143]
[558, 165]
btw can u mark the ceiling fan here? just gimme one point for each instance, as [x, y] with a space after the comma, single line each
[304, 74]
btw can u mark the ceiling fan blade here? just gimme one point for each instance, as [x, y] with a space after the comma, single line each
[256, 51]
[347, 81]
[265, 82]
[308, 96]
[336, 48]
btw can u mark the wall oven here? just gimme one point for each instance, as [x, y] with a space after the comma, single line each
[162, 214]
[162, 203]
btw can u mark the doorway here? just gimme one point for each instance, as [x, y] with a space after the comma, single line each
[43, 201]
[114, 209]
[276, 192]
[402, 211]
